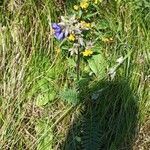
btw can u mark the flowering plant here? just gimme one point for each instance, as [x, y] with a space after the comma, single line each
[72, 30]
[75, 33]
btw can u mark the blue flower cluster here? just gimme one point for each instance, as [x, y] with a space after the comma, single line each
[59, 34]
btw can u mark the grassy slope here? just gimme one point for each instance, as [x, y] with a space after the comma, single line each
[27, 56]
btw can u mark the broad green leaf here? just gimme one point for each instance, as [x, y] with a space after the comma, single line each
[41, 85]
[78, 138]
[44, 98]
[51, 95]
[98, 65]
[71, 62]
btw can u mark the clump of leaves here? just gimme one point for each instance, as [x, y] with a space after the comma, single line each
[70, 96]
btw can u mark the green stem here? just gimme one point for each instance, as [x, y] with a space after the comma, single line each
[78, 65]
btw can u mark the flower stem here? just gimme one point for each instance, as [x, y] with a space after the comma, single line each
[78, 65]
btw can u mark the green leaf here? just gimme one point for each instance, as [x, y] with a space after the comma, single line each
[71, 62]
[98, 65]
[91, 131]
[80, 13]
[78, 138]
[70, 95]
[52, 95]
[91, 15]
[44, 98]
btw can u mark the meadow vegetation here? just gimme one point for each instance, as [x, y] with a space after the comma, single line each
[50, 101]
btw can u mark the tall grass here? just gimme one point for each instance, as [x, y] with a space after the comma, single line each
[32, 73]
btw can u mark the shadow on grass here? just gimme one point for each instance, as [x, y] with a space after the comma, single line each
[107, 120]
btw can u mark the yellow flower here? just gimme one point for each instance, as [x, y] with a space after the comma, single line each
[85, 24]
[76, 7]
[107, 40]
[71, 37]
[84, 4]
[88, 25]
[96, 1]
[110, 39]
[87, 52]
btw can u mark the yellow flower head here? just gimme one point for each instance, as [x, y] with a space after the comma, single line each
[107, 40]
[84, 4]
[96, 1]
[85, 24]
[110, 39]
[87, 52]
[76, 7]
[71, 37]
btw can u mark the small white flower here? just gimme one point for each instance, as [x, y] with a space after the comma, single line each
[80, 41]
[112, 73]
[74, 49]
[91, 73]
[89, 45]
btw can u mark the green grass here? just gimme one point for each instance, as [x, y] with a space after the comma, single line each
[33, 115]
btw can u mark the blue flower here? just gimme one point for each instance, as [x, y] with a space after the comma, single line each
[59, 34]
[56, 27]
